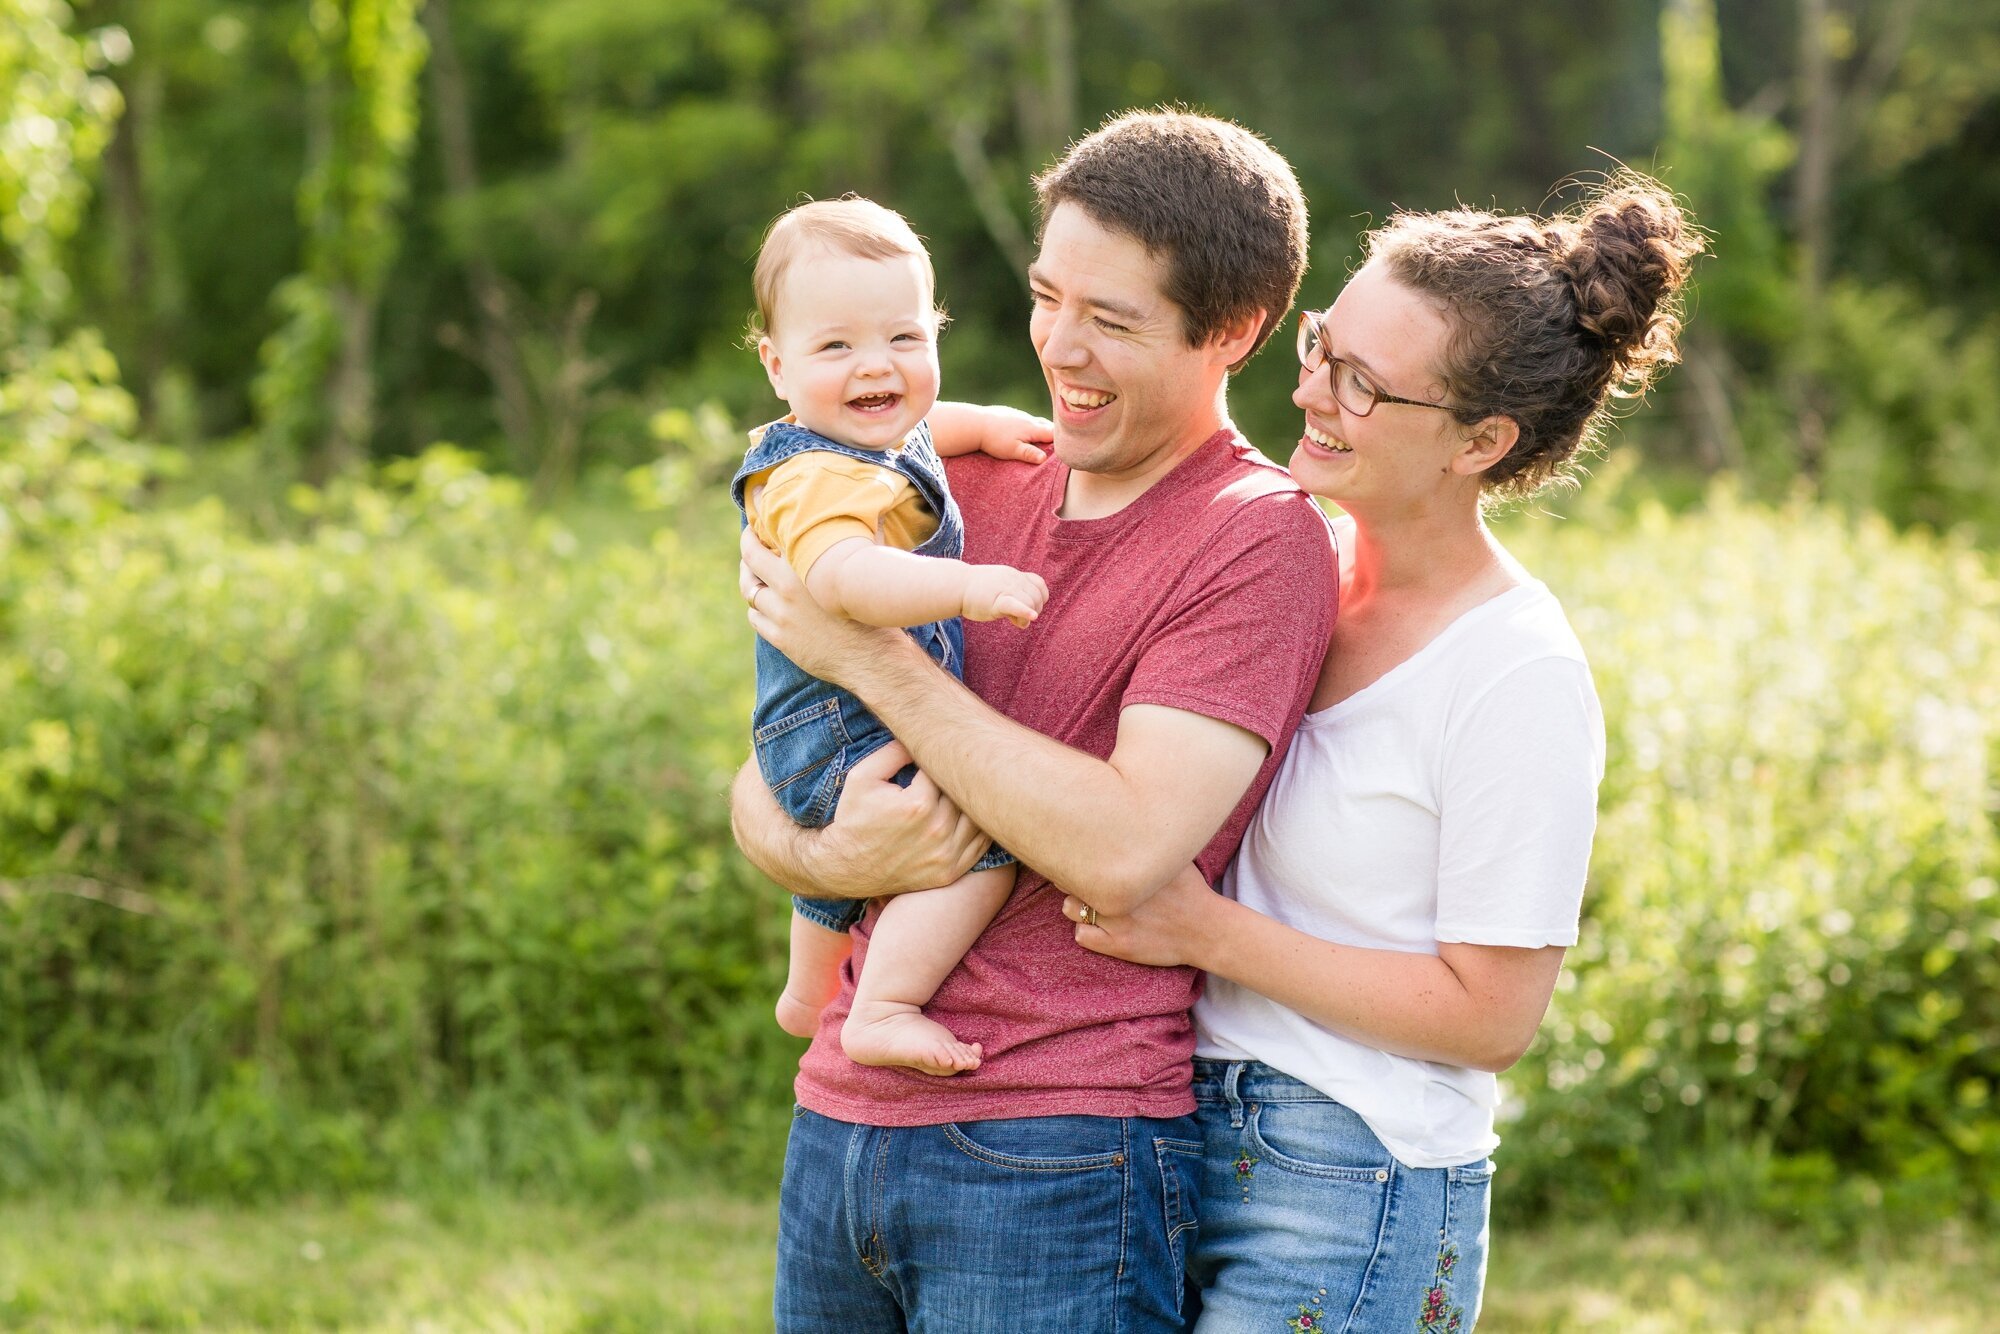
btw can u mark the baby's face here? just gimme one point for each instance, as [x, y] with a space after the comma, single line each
[855, 348]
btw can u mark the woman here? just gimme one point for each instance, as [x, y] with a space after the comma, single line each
[1390, 933]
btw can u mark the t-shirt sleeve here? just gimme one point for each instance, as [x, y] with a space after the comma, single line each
[1518, 808]
[1245, 640]
[815, 500]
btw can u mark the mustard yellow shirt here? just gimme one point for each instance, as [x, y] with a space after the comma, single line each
[809, 503]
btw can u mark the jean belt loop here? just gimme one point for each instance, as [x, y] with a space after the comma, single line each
[1231, 1075]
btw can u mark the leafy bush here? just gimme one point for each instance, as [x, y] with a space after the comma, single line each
[395, 853]
[309, 846]
[1787, 993]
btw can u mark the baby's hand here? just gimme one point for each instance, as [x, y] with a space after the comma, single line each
[996, 592]
[1005, 433]
[1013, 434]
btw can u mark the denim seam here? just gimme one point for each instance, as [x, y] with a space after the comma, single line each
[831, 785]
[878, 1260]
[792, 722]
[853, 1202]
[1124, 1226]
[1382, 1230]
[974, 1150]
[1300, 1167]
[812, 768]
[1164, 1145]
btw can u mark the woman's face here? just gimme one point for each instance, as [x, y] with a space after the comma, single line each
[1399, 455]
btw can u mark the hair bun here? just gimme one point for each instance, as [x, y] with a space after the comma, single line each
[1626, 264]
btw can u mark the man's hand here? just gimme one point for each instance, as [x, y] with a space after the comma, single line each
[785, 614]
[884, 839]
[1004, 433]
[895, 838]
[994, 592]
[1167, 929]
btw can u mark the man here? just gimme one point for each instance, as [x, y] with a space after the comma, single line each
[1129, 731]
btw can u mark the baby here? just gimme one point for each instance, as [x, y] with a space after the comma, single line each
[849, 489]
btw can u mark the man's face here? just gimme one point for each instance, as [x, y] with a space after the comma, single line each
[1126, 390]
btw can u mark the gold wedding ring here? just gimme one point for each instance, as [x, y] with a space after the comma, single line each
[1087, 915]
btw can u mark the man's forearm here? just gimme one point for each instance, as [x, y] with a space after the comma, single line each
[1077, 819]
[779, 848]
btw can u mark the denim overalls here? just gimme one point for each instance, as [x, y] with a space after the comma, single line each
[808, 733]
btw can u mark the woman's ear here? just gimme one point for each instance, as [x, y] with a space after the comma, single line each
[774, 366]
[1490, 440]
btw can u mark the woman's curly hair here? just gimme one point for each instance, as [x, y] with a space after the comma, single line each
[1551, 317]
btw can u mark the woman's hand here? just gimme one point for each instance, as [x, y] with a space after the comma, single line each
[1168, 929]
[1004, 433]
[830, 647]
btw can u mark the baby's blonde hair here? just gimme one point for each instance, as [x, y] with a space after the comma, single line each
[849, 225]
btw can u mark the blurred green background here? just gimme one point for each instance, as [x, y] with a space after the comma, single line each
[371, 670]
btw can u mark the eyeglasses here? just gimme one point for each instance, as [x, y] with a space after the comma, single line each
[1356, 392]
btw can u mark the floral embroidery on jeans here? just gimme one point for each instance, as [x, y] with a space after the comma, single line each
[1310, 1316]
[1440, 1314]
[1244, 1164]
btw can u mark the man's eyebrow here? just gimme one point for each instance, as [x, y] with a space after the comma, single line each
[1126, 312]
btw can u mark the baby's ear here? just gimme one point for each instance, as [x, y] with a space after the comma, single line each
[774, 367]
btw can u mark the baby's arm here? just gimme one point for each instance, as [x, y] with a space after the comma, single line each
[881, 585]
[1005, 433]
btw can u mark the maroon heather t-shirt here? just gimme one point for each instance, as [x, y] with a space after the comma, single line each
[1212, 592]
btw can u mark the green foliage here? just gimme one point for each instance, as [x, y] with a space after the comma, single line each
[1787, 994]
[361, 59]
[1725, 162]
[577, 259]
[385, 842]
[1915, 408]
[396, 851]
[399, 842]
[55, 117]
[67, 464]
[702, 1261]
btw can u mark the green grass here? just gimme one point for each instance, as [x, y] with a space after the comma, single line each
[705, 1263]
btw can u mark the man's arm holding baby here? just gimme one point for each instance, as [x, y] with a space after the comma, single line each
[884, 839]
[1111, 830]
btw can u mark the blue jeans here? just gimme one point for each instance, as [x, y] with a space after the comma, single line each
[1071, 1223]
[1309, 1224]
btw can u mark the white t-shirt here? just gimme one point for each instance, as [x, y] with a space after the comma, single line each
[1453, 799]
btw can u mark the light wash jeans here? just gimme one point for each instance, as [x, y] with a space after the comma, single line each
[1308, 1223]
[1070, 1224]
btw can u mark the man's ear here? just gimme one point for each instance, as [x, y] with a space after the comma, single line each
[1491, 440]
[774, 366]
[1233, 342]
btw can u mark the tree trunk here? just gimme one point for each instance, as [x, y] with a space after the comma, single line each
[1812, 200]
[497, 347]
[351, 388]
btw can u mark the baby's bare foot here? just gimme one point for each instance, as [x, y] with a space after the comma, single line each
[889, 1033]
[796, 1017]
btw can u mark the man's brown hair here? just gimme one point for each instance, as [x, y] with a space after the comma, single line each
[1211, 199]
